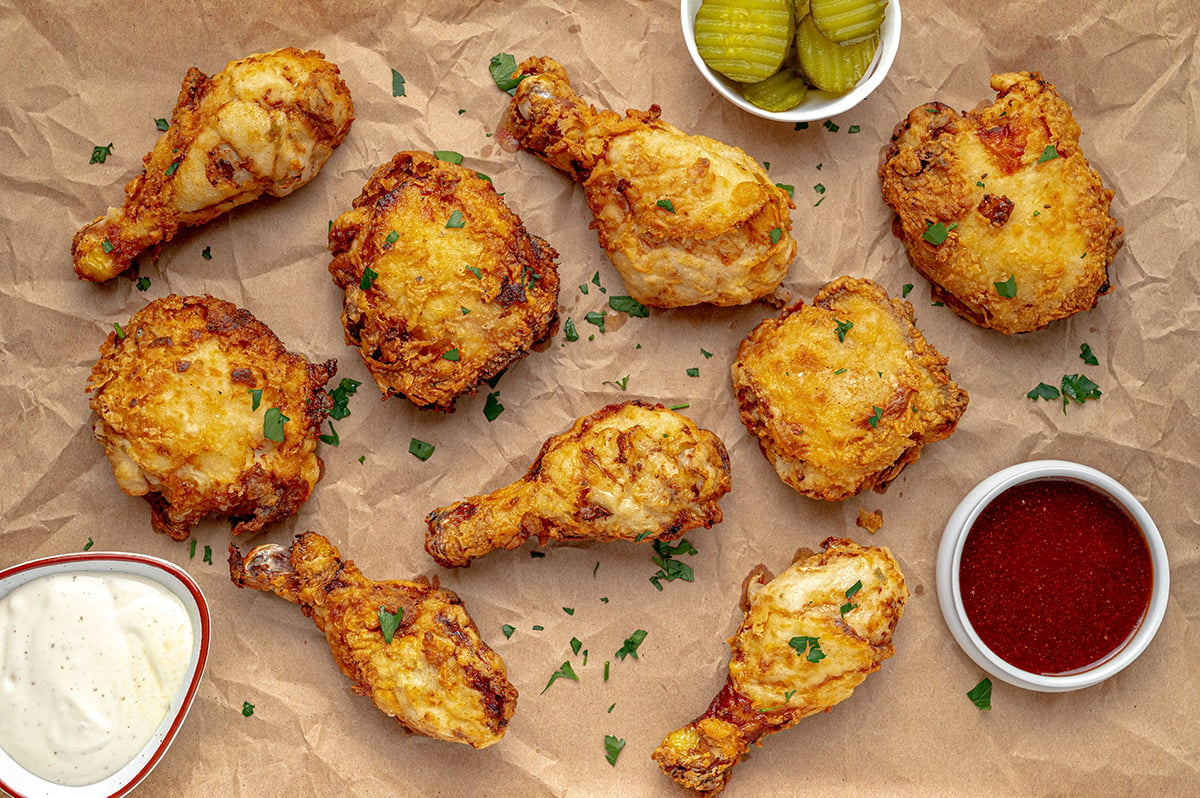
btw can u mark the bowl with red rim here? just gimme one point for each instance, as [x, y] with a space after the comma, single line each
[1052, 576]
[158, 579]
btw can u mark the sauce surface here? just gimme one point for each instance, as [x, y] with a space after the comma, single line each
[1055, 576]
[89, 665]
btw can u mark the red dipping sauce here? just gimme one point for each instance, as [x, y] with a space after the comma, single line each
[1055, 576]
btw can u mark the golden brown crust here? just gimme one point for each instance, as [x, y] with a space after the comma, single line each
[435, 676]
[845, 602]
[264, 124]
[842, 394]
[449, 306]
[685, 219]
[633, 471]
[174, 394]
[1012, 209]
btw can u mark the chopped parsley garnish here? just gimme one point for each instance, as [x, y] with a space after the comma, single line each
[449, 156]
[341, 397]
[775, 235]
[107, 246]
[791, 190]
[1007, 288]
[876, 415]
[693, 372]
[389, 622]
[569, 331]
[1043, 391]
[612, 747]
[89, 544]
[630, 647]
[162, 124]
[981, 694]
[170, 170]
[455, 220]
[492, 407]
[576, 645]
[451, 354]
[620, 384]
[596, 318]
[117, 329]
[206, 253]
[627, 304]
[143, 283]
[819, 188]
[475, 271]
[397, 84]
[564, 672]
[843, 327]
[247, 709]
[670, 568]
[508, 630]
[273, 421]
[1087, 356]
[207, 555]
[830, 126]
[502, 66]
[850, 591]
[1048, 154]
[706, 354]
[808, 647]
[100, 154]
[666, 205]
[905, 289]
[420, 449]
[1078, 388]
[192, 549]
[332, 438]
[936, 234]
[368, 278]
[392, 238]
[853, 129]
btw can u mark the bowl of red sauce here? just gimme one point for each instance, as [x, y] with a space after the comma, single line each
[1052, 576]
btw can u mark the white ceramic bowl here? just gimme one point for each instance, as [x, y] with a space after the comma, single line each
[19, 782]
[818, 105]
[950, 554]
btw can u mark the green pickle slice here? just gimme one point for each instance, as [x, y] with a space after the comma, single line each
[845, 21]
[830, 66]
[745, 40]
[781, 92]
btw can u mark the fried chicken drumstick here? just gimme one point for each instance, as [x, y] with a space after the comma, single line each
[810, 636]
[685, 219]
[433, 673]
[265, 124]
[632, 471]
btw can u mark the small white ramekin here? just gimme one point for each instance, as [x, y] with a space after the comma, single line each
[818, 105]
[950, 555]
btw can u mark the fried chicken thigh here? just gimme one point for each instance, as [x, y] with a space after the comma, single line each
[844, 393]
[444, 287]
[1028, 238]
[809, 637]
[685, 219]
[203, 411]
[265, 124]
[433, 673]
[632, 471]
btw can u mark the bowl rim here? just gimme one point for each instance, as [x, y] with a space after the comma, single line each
[819, 105]
[950, 554]
[19, 782]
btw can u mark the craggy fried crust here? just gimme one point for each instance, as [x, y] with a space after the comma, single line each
[1011, 208]
[847, 597]
[175, 393]
[836, 417]
[436, 676]
[632, 471]
[450, 307]
[265, 124]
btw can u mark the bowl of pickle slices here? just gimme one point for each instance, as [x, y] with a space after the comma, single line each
[792, 60]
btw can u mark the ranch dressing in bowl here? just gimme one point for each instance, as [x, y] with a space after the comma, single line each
[90, 662]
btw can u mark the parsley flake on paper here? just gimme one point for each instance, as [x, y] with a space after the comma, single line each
[502, 66]
[612, 748]
[981, 694]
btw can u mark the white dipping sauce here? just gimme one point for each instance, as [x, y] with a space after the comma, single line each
[89, 664]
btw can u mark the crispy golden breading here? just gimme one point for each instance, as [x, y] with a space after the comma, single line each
[265, 124]
[685, 219]
[457, 290]
[186, 393]
[809, 638]
[1019, 203]
[632, 471]
[435, 675]
[842, 394]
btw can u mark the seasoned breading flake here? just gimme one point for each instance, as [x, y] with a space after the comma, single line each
[842, 394]
[264, 124]
[432, 672]
[444, 287]
[685, 219]
[203, 411]
[809, 637]
[633, 471]
[1000, 209]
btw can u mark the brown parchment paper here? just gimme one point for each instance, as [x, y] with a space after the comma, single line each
[81, 74]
